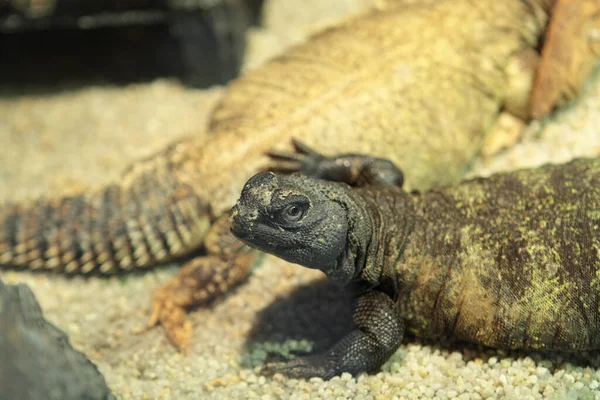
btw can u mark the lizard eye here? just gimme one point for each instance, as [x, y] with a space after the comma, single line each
[293, 212]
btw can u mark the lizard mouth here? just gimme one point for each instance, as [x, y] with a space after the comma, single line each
[241, 225]
[339, 273]
[242, 228]
[238, 233]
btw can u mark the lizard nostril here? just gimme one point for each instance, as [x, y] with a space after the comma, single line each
[236, 223]
[238, 230]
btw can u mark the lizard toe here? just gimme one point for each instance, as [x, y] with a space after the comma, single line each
[301, 367]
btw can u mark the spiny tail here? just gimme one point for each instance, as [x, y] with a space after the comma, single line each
[149, 218]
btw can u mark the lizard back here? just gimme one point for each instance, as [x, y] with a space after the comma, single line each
[390, 84]
[510, 261]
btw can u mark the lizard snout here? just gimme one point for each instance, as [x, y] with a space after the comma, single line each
[234, 221]
[240, 221]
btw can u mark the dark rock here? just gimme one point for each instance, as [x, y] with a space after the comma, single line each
[36, 359]
[201, 42]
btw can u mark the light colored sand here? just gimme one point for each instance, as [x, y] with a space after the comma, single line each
[70, 139]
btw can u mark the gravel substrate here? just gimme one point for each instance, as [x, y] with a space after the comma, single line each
[68, 139]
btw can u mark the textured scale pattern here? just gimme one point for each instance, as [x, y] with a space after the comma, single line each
[147, 219]
[510, 261]
[387, 83]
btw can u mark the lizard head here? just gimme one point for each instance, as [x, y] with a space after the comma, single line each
[298, 219]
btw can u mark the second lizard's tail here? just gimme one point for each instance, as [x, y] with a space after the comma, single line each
[148, 218]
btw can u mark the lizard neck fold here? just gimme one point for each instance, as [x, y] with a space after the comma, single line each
[389, 214]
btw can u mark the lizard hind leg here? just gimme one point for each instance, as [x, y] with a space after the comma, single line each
[200, 281]
[570, 53]
[537, 84]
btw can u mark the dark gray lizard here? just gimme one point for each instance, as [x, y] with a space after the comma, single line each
[510, 261]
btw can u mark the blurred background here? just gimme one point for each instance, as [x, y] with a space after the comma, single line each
[201, 42]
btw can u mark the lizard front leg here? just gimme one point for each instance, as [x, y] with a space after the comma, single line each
[379, 328]
[200, 281]
[377, 335]
[353, 169]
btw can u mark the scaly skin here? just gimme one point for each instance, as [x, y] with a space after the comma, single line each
[390, 83]
[511, 261]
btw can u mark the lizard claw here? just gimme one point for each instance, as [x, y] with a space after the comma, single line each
[301, 367]
[302, 159]
[189, 287]
[198, 282]
[171, 316]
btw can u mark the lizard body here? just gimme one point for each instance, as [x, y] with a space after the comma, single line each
[370, 84]
[510, 261]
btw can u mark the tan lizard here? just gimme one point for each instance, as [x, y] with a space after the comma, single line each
[419, 84]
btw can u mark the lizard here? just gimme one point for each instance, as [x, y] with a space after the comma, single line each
[509, 261]
[389, 82]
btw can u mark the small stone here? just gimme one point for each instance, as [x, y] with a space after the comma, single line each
[503, 379]
[548, 391]
[346, 376]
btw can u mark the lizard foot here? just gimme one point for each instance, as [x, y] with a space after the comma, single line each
[302, 367]
[200, 281]
[353, 169]
[197, 283]
[302, 159]
[171, 316]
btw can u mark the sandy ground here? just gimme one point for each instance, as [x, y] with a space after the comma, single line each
[69, 139]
